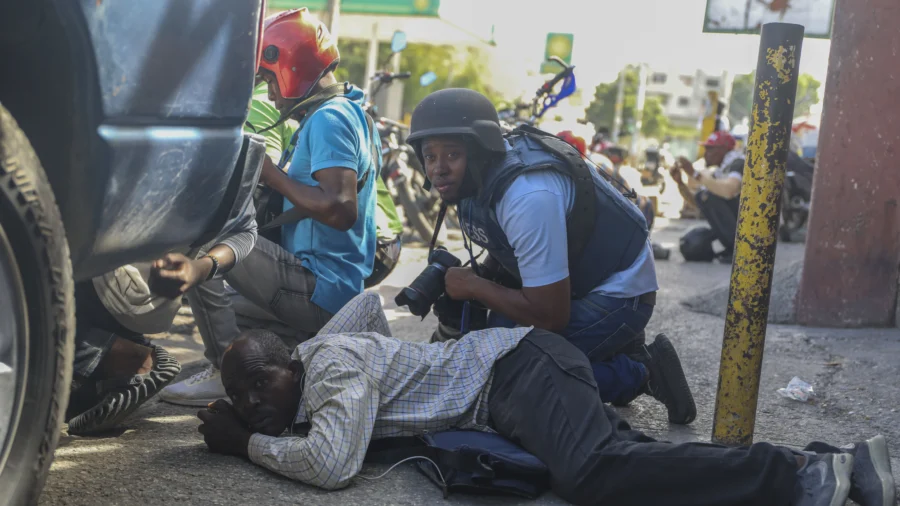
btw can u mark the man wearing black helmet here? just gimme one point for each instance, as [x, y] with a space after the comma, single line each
[576, 248]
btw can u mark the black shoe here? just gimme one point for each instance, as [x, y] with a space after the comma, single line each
[824, 480]
[119, 397]
[726, 257]
[872, 483]
[667, 382]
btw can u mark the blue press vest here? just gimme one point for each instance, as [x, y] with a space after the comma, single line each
[618, 236]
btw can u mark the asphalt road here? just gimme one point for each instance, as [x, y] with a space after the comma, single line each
[159, 458]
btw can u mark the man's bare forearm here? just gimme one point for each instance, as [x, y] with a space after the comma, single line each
[686, 193]
[515, 304]
[315, 203]
[727, 188]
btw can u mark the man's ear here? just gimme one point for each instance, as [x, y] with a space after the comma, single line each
[296, 370]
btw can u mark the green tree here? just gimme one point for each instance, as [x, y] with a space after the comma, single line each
[741, 102]
[807, 94]
[454, 68]
[602, 110]
[654, 123]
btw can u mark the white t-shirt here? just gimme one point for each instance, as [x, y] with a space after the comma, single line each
[533, 213]
[728, 169]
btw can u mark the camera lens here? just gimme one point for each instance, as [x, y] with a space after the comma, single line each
[418, 303]
[429, 285]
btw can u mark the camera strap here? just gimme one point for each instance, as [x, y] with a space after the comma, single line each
[467, 243]
[437, 227]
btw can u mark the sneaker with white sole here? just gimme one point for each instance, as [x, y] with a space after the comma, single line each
[872, 482]
[116, 398]
[198, 390]
[824, 480]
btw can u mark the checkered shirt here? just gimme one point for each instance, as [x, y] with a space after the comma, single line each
[361, 384]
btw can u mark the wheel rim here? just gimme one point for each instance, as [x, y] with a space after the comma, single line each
[13, 345]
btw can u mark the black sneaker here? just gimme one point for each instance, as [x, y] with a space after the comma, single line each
[872, 483]
[120, 397]
[667, 382]
[725, 257]
[824, 480]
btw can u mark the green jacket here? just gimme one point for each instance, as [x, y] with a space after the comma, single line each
[263, 114]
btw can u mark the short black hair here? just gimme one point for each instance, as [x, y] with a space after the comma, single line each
[276, 352]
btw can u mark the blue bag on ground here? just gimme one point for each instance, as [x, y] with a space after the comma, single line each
[468, 461]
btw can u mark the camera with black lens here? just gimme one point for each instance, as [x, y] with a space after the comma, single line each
[421, 294]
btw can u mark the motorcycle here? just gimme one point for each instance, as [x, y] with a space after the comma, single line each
[796, 196]
[401, 170]
[405, 178]
[544, 99]
[651, 173]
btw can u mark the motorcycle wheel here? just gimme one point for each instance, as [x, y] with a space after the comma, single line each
[407, 194]
[793, 217]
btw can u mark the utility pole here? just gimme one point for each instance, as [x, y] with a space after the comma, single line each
[620, 98]
[372, 58]
[777, 71]
[333, 15]
[639, 108]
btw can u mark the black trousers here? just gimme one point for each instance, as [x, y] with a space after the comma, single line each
[95, 330]
[544, 398]
[721, 214]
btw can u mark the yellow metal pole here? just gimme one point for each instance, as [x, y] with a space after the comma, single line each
[758, 219]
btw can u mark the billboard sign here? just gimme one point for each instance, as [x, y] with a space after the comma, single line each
[748, 16]
[427, 8]
[558, 44]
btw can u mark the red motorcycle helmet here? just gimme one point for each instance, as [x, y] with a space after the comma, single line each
[298, 49]
[576, 141]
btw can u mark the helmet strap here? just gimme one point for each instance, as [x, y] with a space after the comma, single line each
[313, 101]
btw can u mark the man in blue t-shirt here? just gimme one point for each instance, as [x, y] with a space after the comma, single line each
[325, 255]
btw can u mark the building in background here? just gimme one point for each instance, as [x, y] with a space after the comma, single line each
[683, 95]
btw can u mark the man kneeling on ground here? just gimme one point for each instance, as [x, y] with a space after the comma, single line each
[716, 192]
[354, 383]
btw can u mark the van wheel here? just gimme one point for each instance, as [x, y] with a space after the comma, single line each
[37, 318]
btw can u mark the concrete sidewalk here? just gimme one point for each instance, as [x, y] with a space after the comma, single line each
[160, 458]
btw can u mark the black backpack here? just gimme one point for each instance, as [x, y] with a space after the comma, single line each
[696, 245]
[467, 461]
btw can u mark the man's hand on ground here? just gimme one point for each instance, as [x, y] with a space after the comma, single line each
[175, 274]
[222, 430]
[460, 282]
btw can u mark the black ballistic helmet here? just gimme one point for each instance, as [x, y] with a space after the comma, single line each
[457, 111]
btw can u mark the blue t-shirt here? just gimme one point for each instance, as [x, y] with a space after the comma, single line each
[335, 135]
[532, 214]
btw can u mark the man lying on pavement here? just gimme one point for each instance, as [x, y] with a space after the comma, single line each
[354, 383]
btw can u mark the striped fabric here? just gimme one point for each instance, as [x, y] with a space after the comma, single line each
[361, 384]
[122, 400]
